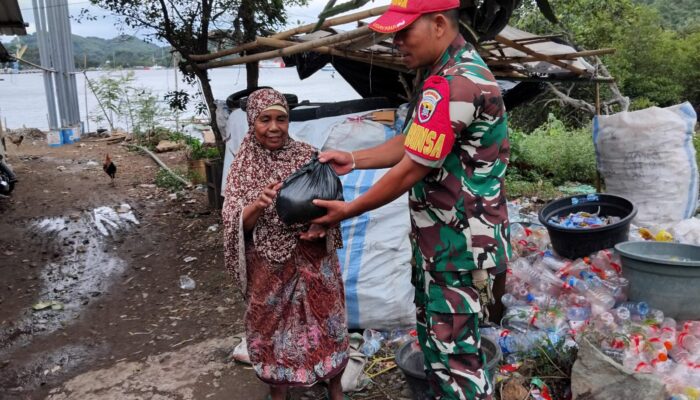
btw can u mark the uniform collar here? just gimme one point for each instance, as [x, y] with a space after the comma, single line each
[449, 54]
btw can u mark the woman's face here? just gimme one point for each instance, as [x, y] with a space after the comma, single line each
[272, 129]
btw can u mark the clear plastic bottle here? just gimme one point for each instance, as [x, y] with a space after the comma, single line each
[537, 277]
[655, 316]
[598, 296]
[622, 316]
[541, 300]
[601, 264]
[576, 313]
[640, 309]
[619, 287]
[510, 301]
[522, 342]
[689, 342]
[553, 262]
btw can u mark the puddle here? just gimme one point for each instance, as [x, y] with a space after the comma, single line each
[82, 268]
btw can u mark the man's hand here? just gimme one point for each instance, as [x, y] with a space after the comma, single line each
[267, 196]
[337, 211]
[315, 232]
[341, 161]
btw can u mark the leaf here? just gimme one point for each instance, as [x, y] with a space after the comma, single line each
[547, 11]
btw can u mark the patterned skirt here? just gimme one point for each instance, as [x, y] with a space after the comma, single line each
[295, 319]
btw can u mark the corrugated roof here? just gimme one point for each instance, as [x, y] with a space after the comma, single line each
[11, 22]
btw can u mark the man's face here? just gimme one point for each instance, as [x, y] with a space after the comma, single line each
[416, 43]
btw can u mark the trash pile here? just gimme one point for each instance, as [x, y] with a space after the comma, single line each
[552, 301]
[583, 220]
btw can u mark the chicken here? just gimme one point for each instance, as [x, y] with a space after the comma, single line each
[109, 168]
[16, 140]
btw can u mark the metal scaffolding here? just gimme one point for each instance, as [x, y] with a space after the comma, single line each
[56, 54]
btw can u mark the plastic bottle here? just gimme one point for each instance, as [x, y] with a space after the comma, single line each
[655, 316]
[538, 277]
[689, 342]
[640, 309]
[520, 317]
[601, 264]
[575, 268]
[619, 287]
[522, 342]
[510, 301]
[541, 300]
[576, 313]
[598, 297]
[554, 262]
[622, 316]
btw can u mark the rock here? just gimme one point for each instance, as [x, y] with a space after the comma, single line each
[61, 168]
[596, 376]
[514, 389]
[166, 145]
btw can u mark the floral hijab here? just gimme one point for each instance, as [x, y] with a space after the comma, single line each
[254, 168]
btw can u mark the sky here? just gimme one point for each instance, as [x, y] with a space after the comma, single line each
[106, 27]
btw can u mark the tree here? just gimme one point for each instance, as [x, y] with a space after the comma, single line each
[652, 65]
[186, 25]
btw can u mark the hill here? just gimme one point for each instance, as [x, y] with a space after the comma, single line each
[677, 14]
[125, 51]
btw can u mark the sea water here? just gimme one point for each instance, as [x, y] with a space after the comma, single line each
[23, 101]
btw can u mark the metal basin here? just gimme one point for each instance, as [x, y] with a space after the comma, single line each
[665, 275]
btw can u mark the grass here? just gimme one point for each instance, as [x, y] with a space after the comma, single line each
[551, 155]
[166, 181]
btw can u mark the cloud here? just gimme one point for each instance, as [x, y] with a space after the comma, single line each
[106, 24]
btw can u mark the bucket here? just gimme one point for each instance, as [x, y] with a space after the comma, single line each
[198, 171]
[575, 243]
[665, 275]
[409, 359]
[54, 139]
[67, 136]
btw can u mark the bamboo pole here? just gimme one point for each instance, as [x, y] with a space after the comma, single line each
[291, 50]
[161, 164]
[565, 56]
[542, 57]
[295, 31]
[386, 62]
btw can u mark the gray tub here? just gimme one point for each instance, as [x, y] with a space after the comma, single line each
[665, 275]
[410, 361]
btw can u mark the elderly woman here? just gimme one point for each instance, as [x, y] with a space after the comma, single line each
[295, 315]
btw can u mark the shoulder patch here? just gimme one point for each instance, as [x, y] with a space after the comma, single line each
[430, 135]
[428, 103]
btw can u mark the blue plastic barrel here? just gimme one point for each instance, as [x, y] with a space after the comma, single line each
[67, 135]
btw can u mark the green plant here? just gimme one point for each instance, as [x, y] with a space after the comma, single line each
[166, 181]
[196, 150]
[555, 153]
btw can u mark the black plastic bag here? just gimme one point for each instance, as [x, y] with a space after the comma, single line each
[312, 181]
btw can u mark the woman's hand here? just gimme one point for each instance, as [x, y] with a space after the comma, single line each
[267, 196]
[252, 212]
[315, 232]
[341, 161]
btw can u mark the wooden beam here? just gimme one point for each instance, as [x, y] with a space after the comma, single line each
[542, 57]
[291, 32]
[385, 62]
[497, 60]
[291, 50]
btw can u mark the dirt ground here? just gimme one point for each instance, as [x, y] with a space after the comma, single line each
[102, 266]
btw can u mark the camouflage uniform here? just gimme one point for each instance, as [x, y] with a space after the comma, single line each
[458, 214]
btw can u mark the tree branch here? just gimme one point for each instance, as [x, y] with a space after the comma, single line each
[577, 103]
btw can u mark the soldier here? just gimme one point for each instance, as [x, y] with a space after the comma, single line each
[453, 157]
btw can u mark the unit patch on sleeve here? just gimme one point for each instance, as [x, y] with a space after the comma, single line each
[430, 135]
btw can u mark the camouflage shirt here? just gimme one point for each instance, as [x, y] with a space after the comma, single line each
[459, 127]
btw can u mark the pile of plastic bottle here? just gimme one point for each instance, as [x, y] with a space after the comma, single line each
[550, 299]
[583, 220]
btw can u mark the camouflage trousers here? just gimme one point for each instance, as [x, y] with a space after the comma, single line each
[447, 316]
